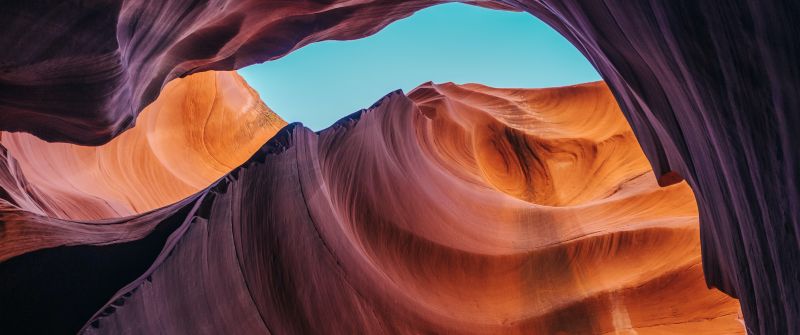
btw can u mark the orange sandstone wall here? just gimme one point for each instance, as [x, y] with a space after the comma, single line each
[198, 129]
[453, 209]
[708, 87]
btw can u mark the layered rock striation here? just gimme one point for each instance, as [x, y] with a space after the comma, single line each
[453, 209]
[199, 129]
[708, 88]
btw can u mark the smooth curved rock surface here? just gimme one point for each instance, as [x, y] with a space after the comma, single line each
[455, 209]
[708, 87]
[200, 128]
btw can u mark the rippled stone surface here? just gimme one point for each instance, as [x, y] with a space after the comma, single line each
[708, 88]
[199, 129]
[455, 209]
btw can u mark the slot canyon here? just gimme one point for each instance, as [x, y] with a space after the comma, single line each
[146, 187]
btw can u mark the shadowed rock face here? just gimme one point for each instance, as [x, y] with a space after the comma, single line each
[708, 88]
[455, 209]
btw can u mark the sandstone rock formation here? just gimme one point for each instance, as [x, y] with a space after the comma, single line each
[455, 209]
[708, 88]
[199, 129]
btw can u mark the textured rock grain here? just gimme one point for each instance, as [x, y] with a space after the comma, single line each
[709, 88]
[455, 209]
[199, 129]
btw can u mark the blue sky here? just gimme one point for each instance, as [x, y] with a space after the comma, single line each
[324, 81]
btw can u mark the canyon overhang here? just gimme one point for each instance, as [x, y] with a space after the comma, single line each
[708, 87]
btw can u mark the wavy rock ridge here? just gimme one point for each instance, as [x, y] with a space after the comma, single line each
[707, 87]
[461, 209]
[199, 129]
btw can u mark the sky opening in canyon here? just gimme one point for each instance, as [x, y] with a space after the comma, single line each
[325, 81]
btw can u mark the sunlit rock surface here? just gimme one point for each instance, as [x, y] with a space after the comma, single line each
[455, 209]
[199, 129]
[708, 87]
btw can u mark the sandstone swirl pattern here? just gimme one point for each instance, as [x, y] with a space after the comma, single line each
[454, 209]
[708, 88]
[199, 129]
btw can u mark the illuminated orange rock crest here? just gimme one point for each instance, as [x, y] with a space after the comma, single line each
[199, 129]
[454, 209]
